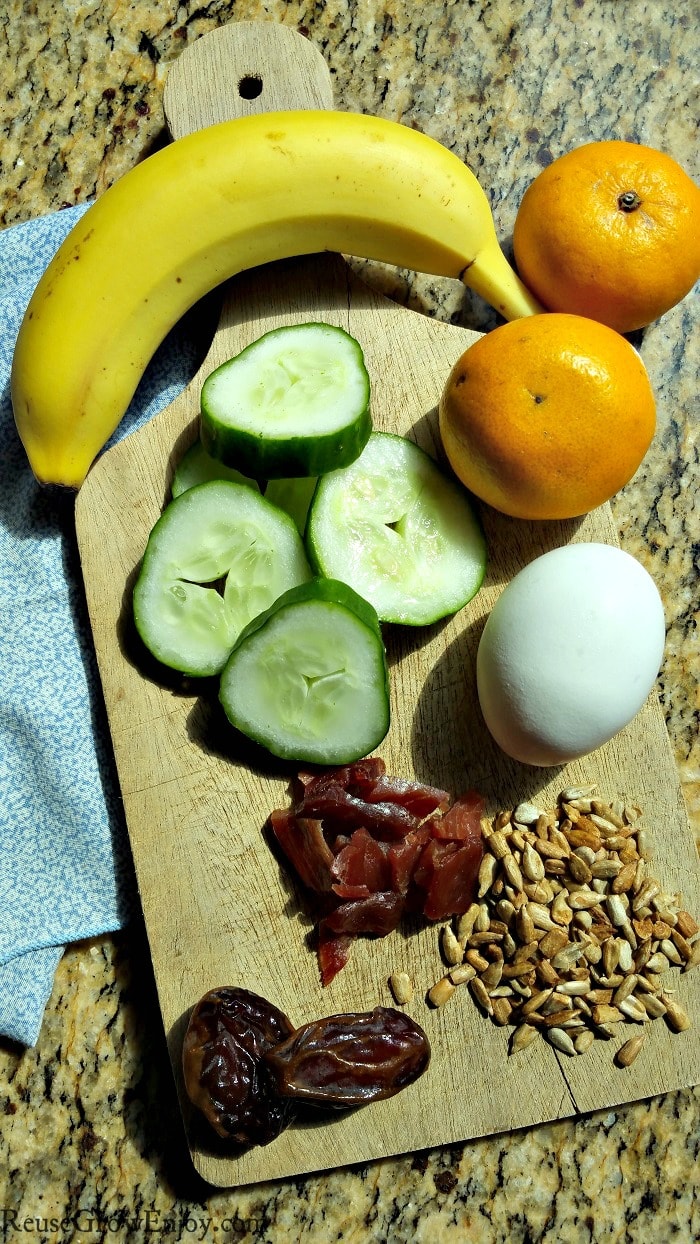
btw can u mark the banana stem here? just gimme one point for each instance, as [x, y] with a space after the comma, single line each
[492, 277]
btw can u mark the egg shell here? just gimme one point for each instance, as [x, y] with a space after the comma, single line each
[569, 653]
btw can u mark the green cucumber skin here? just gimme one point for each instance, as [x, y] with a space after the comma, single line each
[294, 458]
[324, 563]
[335, 594]
[262, 456]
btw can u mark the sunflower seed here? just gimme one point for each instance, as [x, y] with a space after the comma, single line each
[610, 955]
[628, 1052]
[466, 922]
[625, 958]
[643, 843]
[648, 984]
[639, 875]
[550, 851]
[600, 996]
[583, 919]
[668, 949]
[452, 949]
[523, 991]
[584, 1040]
[686, 925]
[523, 1036]
[561, 909]
[558, 1019]
[516, 838]
[532, 865]
[492, 976]
[648, 891]
[658, 963]
[505, 909]
[624, 879]
[524, 925]
[501, 1011]
[694, 959]
[488, 938]
[653, 1005]
[584, 900]
[487, 873]
[441, 991]
[567, 956]
[572, 793]
[604, 870]
[546, 974]
[572, 988]
[633, 1009]
[607, 813]
[401, 987]
[560, 1040]
[604, 1013]
[483, 918]
[480, 994]
[497, 844]
[462, 973]
[540, 916]
[527, 813]
[580, 870]
[586, 854]
[592, 952]
[512, 872]
[536, 1002]
[676, 1016]
[553, 941]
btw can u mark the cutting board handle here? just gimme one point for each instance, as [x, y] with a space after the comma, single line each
[240, 69]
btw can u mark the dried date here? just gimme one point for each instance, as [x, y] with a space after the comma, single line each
[350, 1060]
[225, 1075]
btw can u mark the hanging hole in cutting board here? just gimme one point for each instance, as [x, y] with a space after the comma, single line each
[250, 86]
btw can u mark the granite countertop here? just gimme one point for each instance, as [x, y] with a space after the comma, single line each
[91, 1133]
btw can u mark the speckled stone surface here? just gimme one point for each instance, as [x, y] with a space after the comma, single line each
[91, 1145]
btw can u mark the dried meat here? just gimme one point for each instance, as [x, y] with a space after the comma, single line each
[361, 863]
[305, 847]
[371, 847]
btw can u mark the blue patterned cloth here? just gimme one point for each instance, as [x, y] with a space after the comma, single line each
[65, 868]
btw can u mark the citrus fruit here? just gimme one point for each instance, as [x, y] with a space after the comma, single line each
[547, 416]
[610, 230]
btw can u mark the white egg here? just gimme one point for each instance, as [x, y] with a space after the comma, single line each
[569, 653]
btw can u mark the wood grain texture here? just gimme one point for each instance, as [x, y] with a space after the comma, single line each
[218, 908]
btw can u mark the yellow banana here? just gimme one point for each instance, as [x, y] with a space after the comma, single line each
[216, 202]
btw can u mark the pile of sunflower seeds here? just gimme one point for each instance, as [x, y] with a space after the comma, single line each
[571, 934]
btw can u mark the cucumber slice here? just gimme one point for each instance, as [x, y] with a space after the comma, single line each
[308, 679]
[399, 531]
[294, 497]
[295, 402]
[213, 532]
[196, 466]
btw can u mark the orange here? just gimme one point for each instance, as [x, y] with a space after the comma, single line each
[610, 230]
[547, 416]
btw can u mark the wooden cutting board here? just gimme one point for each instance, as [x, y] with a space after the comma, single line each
[218, 908]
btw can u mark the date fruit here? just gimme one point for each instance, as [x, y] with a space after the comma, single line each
[225, 1075]
[350, 1060]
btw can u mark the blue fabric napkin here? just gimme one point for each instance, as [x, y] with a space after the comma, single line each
[65, 866]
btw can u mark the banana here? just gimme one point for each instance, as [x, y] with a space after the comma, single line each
[211, 204]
